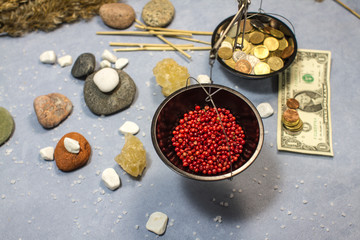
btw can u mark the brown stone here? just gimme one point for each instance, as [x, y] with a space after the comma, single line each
[67, 161]
[117, 15]
[52, 109]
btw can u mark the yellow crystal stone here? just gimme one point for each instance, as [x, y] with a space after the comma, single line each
[170, 75]
[133, 156]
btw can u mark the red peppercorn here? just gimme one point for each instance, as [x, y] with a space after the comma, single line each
[201, 143]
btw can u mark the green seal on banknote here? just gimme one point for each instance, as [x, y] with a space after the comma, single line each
[308, 78]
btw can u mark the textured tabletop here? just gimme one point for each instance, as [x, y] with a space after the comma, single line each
[282, 195]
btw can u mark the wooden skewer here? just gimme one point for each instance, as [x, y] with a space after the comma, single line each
[173, 30]
[193, 40]
[160, 49]
[166, 41]
[139, 22]
[349, 9]
[143, 33]
[147, 44]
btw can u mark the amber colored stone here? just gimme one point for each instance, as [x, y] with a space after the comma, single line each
[52, 109]
[170, 75]
[133, 156]
[67, 161]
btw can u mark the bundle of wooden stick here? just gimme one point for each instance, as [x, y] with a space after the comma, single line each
[160, 33]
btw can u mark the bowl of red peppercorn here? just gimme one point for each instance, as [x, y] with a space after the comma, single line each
[207, 132]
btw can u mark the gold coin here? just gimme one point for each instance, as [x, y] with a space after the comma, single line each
[248, 26]
[296, 128]
[261, 68]
[291, 115]
[230, 62]
[276, 53]
[271, 43]
[245, 44]
[226, 50]
[289, 124]
[250, 49]
[292, 103]
[229, 40]
[283, 43]
[247, 37]
[261, 52]
[288, 51]
[267, 29]
[243, 66]
[276, 33]
[256, 37]
[275, 63]
[291, 42]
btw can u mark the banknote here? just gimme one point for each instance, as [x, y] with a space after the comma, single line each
[308, 81]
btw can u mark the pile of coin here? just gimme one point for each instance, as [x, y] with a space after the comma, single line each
[290, 118]
[263, 49]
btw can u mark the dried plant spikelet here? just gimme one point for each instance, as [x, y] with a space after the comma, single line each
[21, 16]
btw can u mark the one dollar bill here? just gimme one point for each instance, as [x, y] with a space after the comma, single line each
[308, 81]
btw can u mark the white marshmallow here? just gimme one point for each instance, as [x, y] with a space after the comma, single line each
[105, 63]
[107, 55]
[65, 61]
[265, 110]
[71, 145]
[129, 127]
[48, 57]
[111, 179]
[47, 153]
[121, 63]
[203, 79]
[157, 223]
[106, 79]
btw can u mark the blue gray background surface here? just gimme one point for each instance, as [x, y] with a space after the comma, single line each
[282, 195]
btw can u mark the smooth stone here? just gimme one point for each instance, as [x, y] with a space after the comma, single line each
[48, 57]
[158, 13]
[105, 63]
[111, 179]
[202, 78]
[47, 153]
[65, 61]
[67, 161]
[107, 55]
[108, 103]
[52, 109]
[106, 79]
[265, 110]
[7, 125]
[117, 15]
[129, 127]
[84, 65]
[157, 223]
[121, 63]
[71, 145]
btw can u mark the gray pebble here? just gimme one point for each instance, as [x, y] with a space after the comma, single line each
[109, 103]
[83, 66]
